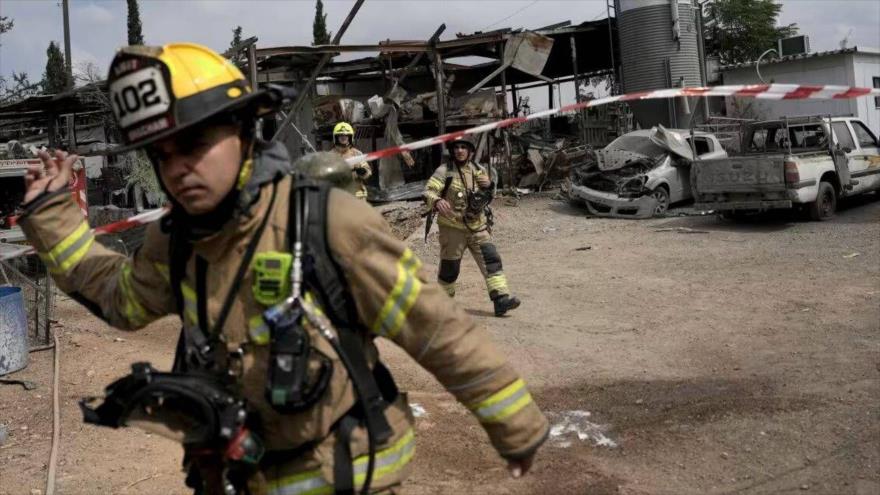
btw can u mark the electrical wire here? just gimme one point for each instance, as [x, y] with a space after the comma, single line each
[508, 17]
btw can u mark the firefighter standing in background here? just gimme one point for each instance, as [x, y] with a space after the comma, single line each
[343, 137]
[218, 261]
[459, 192]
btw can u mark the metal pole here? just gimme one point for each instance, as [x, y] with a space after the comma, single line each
[67, 45]
[507, 155]
[515, 98]
[71, 127]
[255, 85]
[441, 93]
[582, 114]
[304, 92]
[608, 5]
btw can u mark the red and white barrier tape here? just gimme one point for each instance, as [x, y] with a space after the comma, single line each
[9, 251]
[760, 91]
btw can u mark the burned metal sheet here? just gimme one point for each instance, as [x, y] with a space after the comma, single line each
[673, 141]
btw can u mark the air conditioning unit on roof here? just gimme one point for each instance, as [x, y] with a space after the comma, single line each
[796, 45]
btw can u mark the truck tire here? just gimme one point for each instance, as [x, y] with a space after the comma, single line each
[826, 203]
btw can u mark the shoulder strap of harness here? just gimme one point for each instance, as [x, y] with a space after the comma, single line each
[179, 252]
[374, 388]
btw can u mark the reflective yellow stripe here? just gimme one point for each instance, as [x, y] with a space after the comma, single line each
[388, 461]
[435, 183]
[132, 309]
[190, 304]
[258, 330]
[504, 403]
[70, 251]
[163, 270]
[497, 282]
[308, 483]
[402, 297]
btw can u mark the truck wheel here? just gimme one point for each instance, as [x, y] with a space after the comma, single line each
[826, 203]
[662, 197]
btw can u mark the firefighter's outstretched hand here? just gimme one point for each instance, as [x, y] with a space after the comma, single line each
[484, 181]
[443, 207]
[51, 175]
[520, 467]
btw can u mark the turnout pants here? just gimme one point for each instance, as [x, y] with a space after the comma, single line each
[453, 243]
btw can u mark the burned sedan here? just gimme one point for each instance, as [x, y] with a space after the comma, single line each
[642, 173]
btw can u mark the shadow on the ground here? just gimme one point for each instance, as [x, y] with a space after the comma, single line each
[645, 406]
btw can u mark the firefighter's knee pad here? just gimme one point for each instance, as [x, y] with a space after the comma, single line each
[449, 270]
[491, 258]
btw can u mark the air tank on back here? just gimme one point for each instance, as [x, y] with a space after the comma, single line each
[660, 47]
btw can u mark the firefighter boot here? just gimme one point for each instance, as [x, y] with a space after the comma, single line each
[505, 303]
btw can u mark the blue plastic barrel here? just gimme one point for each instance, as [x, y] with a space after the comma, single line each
[13, 330]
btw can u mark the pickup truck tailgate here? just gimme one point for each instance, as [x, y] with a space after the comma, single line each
[741, 174]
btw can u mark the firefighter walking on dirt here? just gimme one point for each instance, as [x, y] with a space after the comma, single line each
[343, 143]
[282, 285]
[460, 193]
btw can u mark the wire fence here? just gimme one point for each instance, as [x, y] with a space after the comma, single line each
[38, 292]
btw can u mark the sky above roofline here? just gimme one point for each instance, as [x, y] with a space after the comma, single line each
[98, 27]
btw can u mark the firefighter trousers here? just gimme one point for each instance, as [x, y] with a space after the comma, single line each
[453, 243]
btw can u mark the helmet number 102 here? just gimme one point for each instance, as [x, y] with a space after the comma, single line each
[139, 96]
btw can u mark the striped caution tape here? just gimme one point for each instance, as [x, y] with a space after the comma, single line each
[760, 91]
[10, 251]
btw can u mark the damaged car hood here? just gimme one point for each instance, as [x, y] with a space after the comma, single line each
[675, 142]
[669, 141]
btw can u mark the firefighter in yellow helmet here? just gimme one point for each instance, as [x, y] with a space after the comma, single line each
[343, 143]
[281, 283]
[460, 192]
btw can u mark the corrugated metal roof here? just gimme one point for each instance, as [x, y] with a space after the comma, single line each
[801, 56]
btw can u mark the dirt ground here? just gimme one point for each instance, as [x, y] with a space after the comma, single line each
[731, 358]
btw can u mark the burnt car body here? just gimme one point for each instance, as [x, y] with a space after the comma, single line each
[642, 173]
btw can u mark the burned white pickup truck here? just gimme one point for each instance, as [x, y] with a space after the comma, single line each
[806, 162]
[642, 173]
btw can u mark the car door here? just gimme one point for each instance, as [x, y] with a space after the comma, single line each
[844, 150]
[706, 149]
[865, 158]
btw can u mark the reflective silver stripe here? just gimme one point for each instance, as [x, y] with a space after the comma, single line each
[312, 484]
[392, 458]
[62, 257]
[505, 407]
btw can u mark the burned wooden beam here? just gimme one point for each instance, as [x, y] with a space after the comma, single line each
[282, 129]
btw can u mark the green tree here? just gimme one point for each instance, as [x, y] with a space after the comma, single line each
[20, 88]
[739, 31]
[135, 30]
[236, 57]
[320, 35]
[55, 79]
[5, 24]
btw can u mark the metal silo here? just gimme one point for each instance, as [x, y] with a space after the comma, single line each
[660, 47]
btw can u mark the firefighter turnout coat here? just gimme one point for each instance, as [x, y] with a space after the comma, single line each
[363, 167]
[394, 301]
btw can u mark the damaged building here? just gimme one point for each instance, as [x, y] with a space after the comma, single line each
[391, 98]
